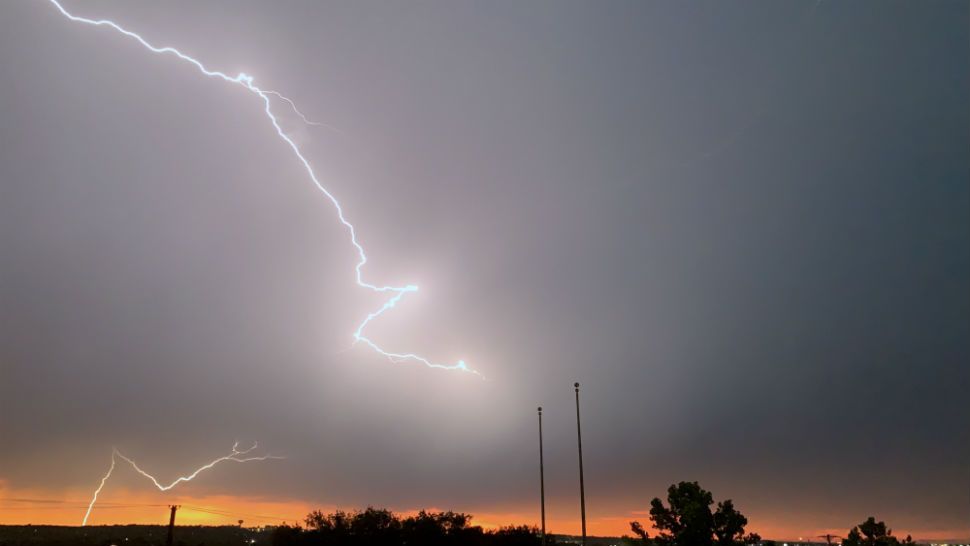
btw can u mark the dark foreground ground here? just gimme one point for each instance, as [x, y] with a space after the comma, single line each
[129, 535]
[155, 535]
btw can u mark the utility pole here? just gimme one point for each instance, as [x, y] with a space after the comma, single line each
[582, 490]
[542, 483]
[171, 525]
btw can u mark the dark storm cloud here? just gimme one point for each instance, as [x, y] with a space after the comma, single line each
[743, 227]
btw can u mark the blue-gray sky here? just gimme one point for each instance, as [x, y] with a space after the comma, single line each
[743, 226]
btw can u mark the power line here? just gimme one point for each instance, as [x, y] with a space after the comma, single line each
[218, 512]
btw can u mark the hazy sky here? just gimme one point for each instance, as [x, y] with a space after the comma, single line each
[744, 227]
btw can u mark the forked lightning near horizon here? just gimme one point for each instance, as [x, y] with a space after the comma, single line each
[236, 455]
[396, 292]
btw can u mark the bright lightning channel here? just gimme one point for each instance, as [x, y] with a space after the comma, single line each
[246, 81]
[236, 455]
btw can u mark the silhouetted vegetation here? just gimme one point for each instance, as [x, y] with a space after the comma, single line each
[370, 527]
[379, 527]
[689, 520]
[873, 533]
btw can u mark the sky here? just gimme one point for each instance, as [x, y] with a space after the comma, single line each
[743, 227]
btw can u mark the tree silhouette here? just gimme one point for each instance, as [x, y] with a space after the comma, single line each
[516, 535]
[753, 538]
[689, 521]
[873, 533]
[376, 526]
[639, 531]
[728, 523]
[439, 529]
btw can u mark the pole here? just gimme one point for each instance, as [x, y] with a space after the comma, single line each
[171, 525]
[542, 483]
[582, 490]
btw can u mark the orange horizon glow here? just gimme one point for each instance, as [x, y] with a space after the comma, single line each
[66, 507]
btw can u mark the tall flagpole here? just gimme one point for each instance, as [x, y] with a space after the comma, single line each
[582, 490]
[542, 483]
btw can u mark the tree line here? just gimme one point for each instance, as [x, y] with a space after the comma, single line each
[380, 527]
[690, 517]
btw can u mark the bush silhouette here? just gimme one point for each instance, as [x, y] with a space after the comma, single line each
[379, 527]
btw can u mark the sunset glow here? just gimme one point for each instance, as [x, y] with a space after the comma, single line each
[119, 507]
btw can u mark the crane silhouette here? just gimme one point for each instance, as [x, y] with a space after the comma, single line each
[828, 538]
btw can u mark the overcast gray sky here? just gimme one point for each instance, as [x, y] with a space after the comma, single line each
[744, 227]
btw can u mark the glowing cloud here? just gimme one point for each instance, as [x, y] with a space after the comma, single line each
[246, 82]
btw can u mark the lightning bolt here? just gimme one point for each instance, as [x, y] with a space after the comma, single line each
[236, 455]
[245, 81]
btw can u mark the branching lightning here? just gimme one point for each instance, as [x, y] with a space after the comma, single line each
[246, 82]
[236, 455]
